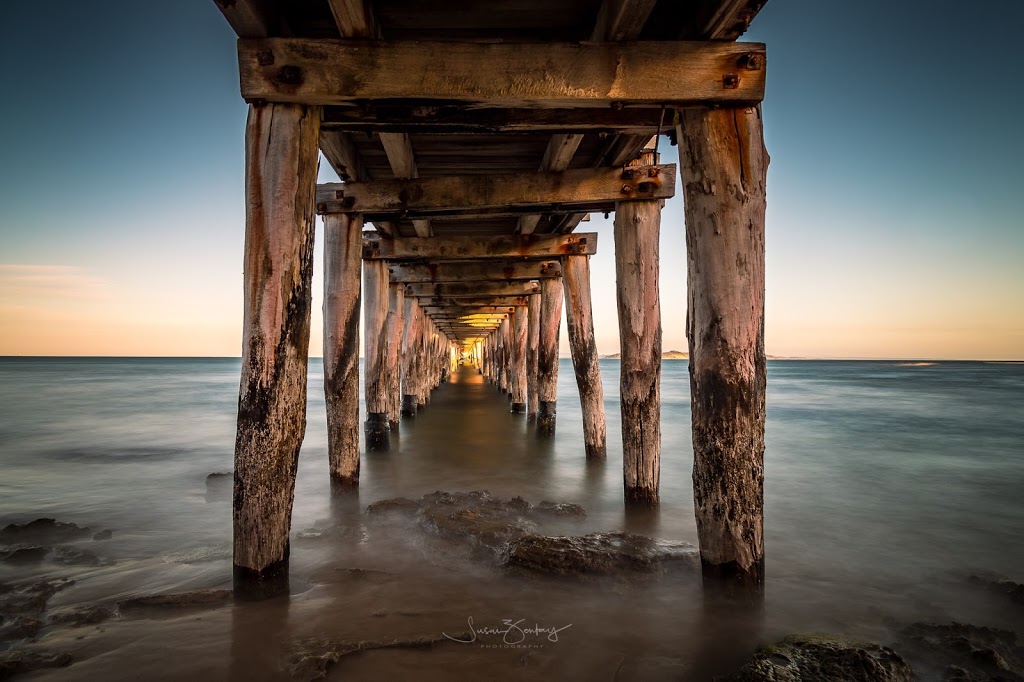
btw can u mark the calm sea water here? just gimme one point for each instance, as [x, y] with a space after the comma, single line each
[882, 479]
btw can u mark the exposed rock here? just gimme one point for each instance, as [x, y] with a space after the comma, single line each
[17, 661]
[998, 584]
[965, 652]
[42, 532]
[69, 555]
[177, 600]
[87, 615]
[103, 535]
[812, 658]
[21, 627]
[615, 554]
[310, 659]
[563, 509]
[31, 599]
[24, 554]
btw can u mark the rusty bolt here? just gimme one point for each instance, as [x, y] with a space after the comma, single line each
[626, 189]
[265, 57]
[751, 62]
[730, 81]
[321, 208]
[618, 106]
[290, 75]
[627, 174]
[339, 194]
[653, 172]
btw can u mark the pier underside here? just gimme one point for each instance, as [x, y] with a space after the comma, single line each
[472, 140]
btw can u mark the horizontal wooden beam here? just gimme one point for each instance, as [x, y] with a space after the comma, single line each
[468, 310]
[503, 75]
[474, 271]
[574, 190]
[461, 248]
[472, 302]
[460, 118]
[457, 289]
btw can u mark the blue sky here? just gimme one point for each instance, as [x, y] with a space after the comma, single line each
[893, 221]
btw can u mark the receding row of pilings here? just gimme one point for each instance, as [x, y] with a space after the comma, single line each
[723, 177]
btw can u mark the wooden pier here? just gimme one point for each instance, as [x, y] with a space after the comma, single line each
[472, 140]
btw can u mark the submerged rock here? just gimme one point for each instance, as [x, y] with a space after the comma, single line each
[41, 532]
[87, 615]
[562, 509]
[103, 535]
[310, 659]
[70, 555]
[17, 661]
[814, 658]
[1001, 585]
[21, 627]
[177, 600]
[24, 554]
[613, 554]
[965, 652]
[31, 598]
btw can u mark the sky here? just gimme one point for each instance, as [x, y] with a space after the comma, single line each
[893, 227]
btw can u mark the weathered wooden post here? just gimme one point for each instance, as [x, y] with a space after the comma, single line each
[410, 396]
[532, 345]
[547, 353]
[579, 317]
[724, 166]
[342, 263]
[637, 227]
[280, 188]
[521, 321]
[375, 307]
[394, 325]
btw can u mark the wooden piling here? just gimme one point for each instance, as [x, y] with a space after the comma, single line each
[532, 343]
[375, 312]
[280, 185]
[547, 353]
[410, 332]
[725, 165]
[521, 322]
[394, 325]
[637, 227]
[579, 318]
[342, 286]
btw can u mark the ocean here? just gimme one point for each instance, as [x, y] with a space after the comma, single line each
[886, 485]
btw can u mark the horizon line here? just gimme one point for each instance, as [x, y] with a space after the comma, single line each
[560, 357]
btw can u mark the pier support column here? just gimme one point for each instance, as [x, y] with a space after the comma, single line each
[520, 322]
[280, 186]
[532, 343]
[637, 227]
[410, 395]
[547, 353]
[375, 309]
[393, 363]
[342, 270]
[579, 317]
[724, 167]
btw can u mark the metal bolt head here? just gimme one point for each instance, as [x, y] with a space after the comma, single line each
[265, 57]
[730, 81]
[626, 189]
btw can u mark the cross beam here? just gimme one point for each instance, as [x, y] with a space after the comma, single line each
[503, 75]
[502, 193]
[461, 289]
[474, 271]
[460, 248]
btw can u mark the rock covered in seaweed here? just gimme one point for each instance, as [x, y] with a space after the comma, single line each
[814, 658]
[963, 652]
[41, 532]
[599, 554]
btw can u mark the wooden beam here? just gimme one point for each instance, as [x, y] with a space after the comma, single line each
[467, 310]
[460, 248]
[248, 18]
[557, 157]
[499, 194]
[461, 119]
[620, 20]
[463, 289]
[472, 302]
[579, 317]
[503, 74]
[354, 18]
[532, 343]
[474, 271]
[375, 355]
[398, 148]
[547, 354]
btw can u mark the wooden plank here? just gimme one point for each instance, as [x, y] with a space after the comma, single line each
[727, 164]
[637, 229]
[342, 300]
[474, 271]
[471, 289]
[398, 149]
[557, 157]
[354, 18]
[472, 301]
[248, 18]
[462, 119]
[467, 310]
[461, 248]
[280, 178]
[547, 354]
[579, 316]
[620, 20]
[553, 75]
[502, 193]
